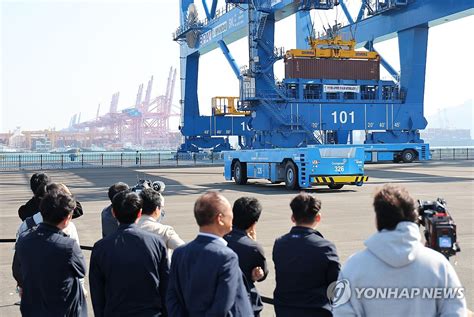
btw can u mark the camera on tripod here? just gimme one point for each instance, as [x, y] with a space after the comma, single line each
[440, 228]
[145, 183]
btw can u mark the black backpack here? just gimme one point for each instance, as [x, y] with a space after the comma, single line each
[31, 223]
[31, 226]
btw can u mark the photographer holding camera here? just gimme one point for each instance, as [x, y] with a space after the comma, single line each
[396, 260]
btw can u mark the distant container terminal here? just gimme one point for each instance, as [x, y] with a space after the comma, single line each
[145, 125]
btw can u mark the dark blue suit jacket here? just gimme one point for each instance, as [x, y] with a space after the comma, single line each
[129, 274]
[205, 280]
[250, 255]
[305, 265]
[48, 265]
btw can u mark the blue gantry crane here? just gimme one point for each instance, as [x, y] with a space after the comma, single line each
[296, 111]
[330, 88]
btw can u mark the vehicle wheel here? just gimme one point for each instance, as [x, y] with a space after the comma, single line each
[408, 156]
[240, 173]
[336, 186]
[291, 176]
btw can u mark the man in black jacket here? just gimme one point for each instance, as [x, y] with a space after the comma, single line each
[243, 241]
[32, 206]
[48, 264]
[38, 185]
[305, 263]
[129, 268]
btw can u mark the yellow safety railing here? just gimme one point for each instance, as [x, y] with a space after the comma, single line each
[225, 105]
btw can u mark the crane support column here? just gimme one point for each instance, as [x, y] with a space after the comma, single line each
[412, 45]
[189, 68]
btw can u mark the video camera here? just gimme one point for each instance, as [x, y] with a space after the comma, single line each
[440, 228]
[145, 183]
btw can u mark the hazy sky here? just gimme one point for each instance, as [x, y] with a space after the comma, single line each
[59, 58]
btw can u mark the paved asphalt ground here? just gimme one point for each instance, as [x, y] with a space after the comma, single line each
[347, 215]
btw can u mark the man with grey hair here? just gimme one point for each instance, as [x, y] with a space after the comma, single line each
[152, 214]
[205, 278]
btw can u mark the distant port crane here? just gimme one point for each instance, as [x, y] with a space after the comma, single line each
[145, 125]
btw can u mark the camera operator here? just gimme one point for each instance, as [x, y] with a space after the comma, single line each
[152, 213]
[395, 258]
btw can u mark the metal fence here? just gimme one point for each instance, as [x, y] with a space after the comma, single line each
[37, 161]
[438, 154]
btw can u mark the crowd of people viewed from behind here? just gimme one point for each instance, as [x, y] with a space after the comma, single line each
[141, 267]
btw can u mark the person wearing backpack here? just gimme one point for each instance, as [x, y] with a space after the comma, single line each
[30, 223]
[49, 265]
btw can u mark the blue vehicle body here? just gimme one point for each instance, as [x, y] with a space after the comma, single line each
[331, 165]
[397, 152]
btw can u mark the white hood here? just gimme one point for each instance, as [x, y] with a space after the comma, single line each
[397, 247]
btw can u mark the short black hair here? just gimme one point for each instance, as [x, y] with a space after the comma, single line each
[393, 204]
[126, 205]
[56, 206]
[44, 189]
[151, 200]
[37, 180]
[207, 207]
[305, 207]
[246, 211]
[116, 188]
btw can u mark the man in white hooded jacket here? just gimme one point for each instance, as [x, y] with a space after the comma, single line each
[396, 275]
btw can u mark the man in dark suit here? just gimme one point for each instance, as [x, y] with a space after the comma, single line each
[305, 263]
[48, 264]
[243, 241]
[128, 268]
[205, 279]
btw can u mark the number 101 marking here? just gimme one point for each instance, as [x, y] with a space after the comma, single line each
[343, 116]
